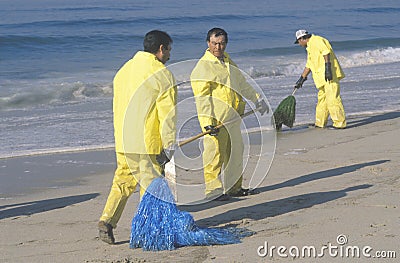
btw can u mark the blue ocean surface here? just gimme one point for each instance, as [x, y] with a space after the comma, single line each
[58, 59]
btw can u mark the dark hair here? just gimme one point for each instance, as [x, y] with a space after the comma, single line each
[153, 40]
[217, 32]
[306, 36]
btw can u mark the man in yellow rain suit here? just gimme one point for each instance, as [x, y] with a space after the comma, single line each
[144, 125]
[219, 88]
[326, 72]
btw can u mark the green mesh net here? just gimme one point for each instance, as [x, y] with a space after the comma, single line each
[285, 113]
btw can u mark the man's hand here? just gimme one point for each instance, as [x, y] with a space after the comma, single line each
[214, 131]
[328, 71]
[165, 156]
[299, 82]
[263, 106]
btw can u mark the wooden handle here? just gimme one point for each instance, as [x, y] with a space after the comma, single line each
[180, 144]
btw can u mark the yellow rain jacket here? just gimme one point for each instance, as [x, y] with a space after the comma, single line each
[144, 106]
[317, 48]
[219, 88]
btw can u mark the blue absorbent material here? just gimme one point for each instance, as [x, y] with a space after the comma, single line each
[160, 225]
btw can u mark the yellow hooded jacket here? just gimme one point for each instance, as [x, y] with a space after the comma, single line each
[219, 88]
[317, 48]
[144, 106]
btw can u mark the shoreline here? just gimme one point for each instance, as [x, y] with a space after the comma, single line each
[21, 176]
[322, 183]
[106, 147]
[16, 169]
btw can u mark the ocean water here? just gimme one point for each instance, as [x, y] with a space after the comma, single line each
[58, 59]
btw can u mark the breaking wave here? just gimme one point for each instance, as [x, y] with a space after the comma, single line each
[55, 94]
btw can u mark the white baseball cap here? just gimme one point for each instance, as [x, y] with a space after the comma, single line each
[299, 34]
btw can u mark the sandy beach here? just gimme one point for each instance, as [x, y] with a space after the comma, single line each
[335, 190]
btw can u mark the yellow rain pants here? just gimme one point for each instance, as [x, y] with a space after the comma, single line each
[224, 151]
[330, 103]
[131, 170]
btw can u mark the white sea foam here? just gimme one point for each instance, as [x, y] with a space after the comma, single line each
[370, 57]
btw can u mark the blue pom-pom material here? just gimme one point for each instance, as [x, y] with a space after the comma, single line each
[160, 225]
